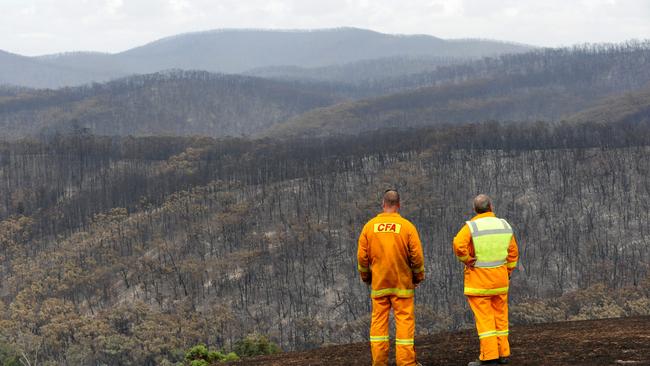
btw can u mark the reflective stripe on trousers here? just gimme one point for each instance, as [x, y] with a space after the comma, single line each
[404, 330]
[379, 338]
[471, 291]
[491, 315]
[392, 291]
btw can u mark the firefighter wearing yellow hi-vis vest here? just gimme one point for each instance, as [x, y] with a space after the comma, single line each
[391, 261]
[487, 246]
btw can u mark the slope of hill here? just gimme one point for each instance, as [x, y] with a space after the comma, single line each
[124, 250]
[236, 51]
[359, 72]
[12, 91]
[633, 107]
[621, 341]
[31, 72]
[540, 85]
[173, 103]
[619, 63]
[102, 65]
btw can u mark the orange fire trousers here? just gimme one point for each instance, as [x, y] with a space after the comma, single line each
[491, 314]
[404, 330]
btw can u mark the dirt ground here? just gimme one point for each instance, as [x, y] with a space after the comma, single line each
[624, 341]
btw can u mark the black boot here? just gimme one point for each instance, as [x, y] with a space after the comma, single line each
[481, 363]
[503, 360]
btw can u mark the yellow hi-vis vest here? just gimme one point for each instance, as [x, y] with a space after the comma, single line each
[491, 237]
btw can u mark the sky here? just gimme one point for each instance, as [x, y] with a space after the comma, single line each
[36, 27]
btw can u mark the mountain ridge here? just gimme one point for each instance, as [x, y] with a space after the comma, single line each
[548, 85]
[239, 50]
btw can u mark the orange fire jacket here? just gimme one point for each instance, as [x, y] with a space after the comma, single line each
[390, 256]
[484, 281]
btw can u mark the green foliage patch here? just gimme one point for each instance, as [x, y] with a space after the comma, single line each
[200, 355]
[256, 345]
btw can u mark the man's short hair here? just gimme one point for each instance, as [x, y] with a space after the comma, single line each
[482, 204]
[391, 197]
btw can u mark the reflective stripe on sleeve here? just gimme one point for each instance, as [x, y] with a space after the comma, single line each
[511, 264]
[379, 339]
[418, 270]
[502, 332]
[463, 258]
[482, 291]
[362, 269]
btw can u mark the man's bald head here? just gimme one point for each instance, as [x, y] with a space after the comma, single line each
[391, 198]
[482, 204]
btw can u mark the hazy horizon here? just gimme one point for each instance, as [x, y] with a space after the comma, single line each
[279, 30]
[40, 27]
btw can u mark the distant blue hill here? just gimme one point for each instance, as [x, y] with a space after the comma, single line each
[238, 51]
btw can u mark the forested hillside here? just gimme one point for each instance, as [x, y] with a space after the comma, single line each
[616, 62]
[12, 91]
[145, 216]
[172, 103]
[550, 85]
[630, 107]
[360, 73]
[128, 250]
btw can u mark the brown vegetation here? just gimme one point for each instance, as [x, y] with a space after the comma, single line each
[128, 251]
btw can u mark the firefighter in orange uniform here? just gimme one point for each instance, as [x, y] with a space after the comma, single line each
[392, 263]
[487, 247]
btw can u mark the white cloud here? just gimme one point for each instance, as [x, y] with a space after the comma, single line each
[115, 25]
[112, 7]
